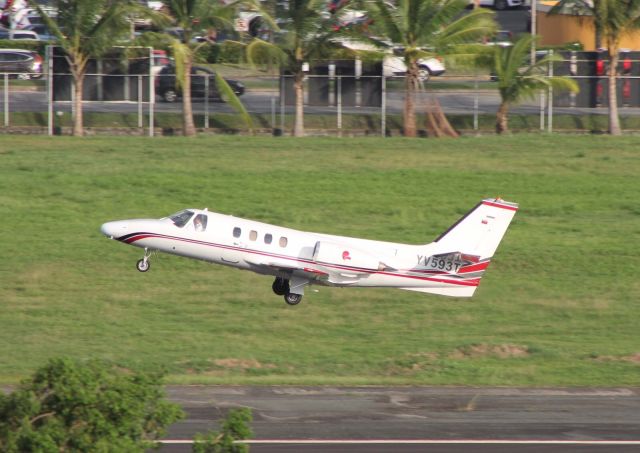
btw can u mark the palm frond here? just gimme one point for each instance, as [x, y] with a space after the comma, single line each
[230, 98]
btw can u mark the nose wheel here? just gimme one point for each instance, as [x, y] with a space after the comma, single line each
[143, 265]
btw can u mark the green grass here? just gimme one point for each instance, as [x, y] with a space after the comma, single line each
[558, 306]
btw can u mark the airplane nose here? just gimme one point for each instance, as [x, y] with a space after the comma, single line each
[113, 230]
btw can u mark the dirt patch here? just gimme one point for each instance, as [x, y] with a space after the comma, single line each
[242, 364]
[633, 358]
[502, 351]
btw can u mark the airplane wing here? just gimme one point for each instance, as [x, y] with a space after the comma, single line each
[271, 267]
[309, 272]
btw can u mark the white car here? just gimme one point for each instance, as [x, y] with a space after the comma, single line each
[393, 63]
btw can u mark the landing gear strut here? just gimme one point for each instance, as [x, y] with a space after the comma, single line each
[143, 265]
[281, 288]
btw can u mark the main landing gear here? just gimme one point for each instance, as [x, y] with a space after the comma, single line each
[143, 265]
[281, 288]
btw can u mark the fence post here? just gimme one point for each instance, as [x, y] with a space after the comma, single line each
[339, 106]
[542, 103]
[140, 124]
[206, 101]
[550, 97]
[383, 119]
[273, 115]
[476, 103]
[282, 87]
[152, 92]
[6, 100]
[49, 56]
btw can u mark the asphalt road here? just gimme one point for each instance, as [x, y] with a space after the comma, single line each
[408, 419]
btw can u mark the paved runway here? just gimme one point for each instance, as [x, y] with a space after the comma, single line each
[381, 419]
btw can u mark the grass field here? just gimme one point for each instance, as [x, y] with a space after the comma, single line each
[560, 305]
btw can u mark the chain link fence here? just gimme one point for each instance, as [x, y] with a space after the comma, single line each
[333, 104]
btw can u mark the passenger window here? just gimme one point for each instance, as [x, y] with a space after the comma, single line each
[268, 238]
[200, 222]
[236, 232]
[253, 235]
[283, 241]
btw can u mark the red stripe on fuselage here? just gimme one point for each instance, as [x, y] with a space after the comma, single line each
[137, 237]
[474, 267]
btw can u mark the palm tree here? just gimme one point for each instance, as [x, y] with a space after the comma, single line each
[519, 78]
[306, 35]
[191, 16]
[86, 30]
[423, 29]
[613, 19]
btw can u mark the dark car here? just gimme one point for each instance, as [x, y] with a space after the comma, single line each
[166, 84]
[20, 63]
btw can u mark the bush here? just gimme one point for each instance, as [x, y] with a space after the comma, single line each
[231, 52]
[207, 54]
[85, 406]
[235, 427]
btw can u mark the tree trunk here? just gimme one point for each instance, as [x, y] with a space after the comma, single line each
[298, 127]
[614, 120]
[502, 118]
[188, 128]
[78, 125]
[411, 82]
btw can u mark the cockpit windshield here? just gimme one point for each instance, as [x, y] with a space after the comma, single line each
[181, 218]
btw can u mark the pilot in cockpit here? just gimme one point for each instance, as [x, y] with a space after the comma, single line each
[198, 223]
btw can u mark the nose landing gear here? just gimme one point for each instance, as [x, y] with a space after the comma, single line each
[143, 265]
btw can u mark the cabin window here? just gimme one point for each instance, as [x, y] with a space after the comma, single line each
[181, 218]
[283, 241]
[253, 235]
[200, 222]
[237, 232]
[268, 238]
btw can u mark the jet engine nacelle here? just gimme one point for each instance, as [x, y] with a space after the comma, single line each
[331, 253]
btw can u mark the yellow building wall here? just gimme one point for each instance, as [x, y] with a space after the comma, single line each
[561, 29]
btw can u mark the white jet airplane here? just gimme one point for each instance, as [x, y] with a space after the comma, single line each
[452, 265]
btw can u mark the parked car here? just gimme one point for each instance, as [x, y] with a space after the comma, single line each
[20, 63]
[24, 34]
[393, 65]
[393, 60]
[43, 32]
[166, 84]
[500, 5]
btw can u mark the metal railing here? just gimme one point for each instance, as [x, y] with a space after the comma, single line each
[332, 105]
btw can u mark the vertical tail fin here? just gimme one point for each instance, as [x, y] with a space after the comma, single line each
[461, 255]
[480, 231]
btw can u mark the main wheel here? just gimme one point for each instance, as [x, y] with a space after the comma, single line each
[292, 299]
[280, 286]
[170, 96]
[143, 265]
